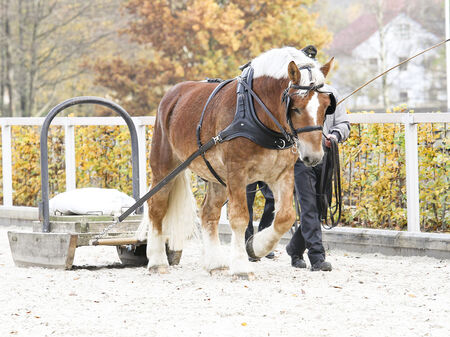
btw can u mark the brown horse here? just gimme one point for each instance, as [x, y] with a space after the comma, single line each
[238, 162]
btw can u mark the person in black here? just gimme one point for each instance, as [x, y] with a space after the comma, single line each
[268, 213]
[309, 234]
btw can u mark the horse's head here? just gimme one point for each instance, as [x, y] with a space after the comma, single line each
[306, 109]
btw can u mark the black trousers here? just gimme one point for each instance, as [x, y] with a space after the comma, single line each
[269, 207]
[309, 233]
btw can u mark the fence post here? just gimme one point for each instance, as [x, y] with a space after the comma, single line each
[412, 175]
[69, 134]
[7, 165]
[141, 128]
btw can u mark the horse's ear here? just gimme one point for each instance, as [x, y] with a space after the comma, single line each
[294, 73]
[326, 67]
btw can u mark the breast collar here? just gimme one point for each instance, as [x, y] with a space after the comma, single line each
[246, 122]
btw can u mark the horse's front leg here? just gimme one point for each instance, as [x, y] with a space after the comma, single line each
[266, 240]
[238, 214]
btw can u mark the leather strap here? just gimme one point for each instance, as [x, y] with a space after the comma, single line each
[213, 141]
[199, 127]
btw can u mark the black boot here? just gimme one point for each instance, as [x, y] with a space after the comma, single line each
[297, 262]
[321, 266]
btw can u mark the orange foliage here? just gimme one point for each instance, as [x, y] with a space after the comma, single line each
[193, 39]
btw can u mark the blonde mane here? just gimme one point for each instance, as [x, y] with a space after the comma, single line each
[274, 63]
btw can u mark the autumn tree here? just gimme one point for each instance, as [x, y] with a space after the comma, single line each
[178, 40]
[42, 44]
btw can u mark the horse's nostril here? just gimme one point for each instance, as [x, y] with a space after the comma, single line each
[306, 159]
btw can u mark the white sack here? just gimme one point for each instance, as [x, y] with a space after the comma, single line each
[101, 201]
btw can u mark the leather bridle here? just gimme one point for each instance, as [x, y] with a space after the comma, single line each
[286, 98]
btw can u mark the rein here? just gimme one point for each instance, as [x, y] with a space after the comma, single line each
[330, 185]
[330, 165]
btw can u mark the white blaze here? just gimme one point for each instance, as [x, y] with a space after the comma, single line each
[313, 106]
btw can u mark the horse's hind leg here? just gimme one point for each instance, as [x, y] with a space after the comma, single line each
[172, 210]
[173, 215]
[156, 242]
[214, 258]
[239, 217]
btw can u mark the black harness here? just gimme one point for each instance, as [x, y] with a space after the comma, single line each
[247, 124]
[252, 129]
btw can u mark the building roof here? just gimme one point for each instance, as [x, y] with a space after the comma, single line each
[363, 27]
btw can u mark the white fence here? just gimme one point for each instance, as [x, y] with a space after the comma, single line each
[411, 150]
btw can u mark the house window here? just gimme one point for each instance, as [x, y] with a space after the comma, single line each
[404, 66]
[403, 96]
[403, 30]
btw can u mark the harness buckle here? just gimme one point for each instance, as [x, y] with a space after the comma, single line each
[283, 144]
[217, 139]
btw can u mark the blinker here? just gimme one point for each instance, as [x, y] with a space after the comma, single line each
[332, 107]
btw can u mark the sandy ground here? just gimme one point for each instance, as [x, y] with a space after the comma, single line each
[365, 295]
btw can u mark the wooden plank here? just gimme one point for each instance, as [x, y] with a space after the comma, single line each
[84, 239]
[98, 227]
[141, 132]
[431, 118]
[60, 227]
[90, 218]
[69, 136]
[375, 118]
[412, 178]
[7, 165]
[119, 241]
[48, 250]
[87, 227]
[93, 224]
[84, 121]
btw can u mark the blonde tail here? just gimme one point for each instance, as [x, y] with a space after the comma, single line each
[180, 221]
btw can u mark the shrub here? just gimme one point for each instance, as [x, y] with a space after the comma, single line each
[372, 168]
[374, 176]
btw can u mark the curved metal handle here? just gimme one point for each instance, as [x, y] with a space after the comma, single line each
[44, 148]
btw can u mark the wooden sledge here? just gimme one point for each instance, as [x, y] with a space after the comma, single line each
[54, 239]
[56, 249]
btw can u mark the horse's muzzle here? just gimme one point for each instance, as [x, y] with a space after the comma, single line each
[311, 160]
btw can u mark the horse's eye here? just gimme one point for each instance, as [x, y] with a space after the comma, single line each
[296, 110]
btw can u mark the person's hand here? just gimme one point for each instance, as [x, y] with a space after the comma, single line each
[327, 139]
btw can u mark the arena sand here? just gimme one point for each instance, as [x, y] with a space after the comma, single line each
[365, 295]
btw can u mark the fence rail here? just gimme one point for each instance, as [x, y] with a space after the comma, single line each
[410, 122]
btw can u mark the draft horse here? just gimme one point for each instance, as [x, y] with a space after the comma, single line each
[286, 81]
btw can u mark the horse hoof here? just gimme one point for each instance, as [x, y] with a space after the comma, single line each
[249, 248]
[217, 271]
[244, 276]
[158, 269]
[173, 256]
